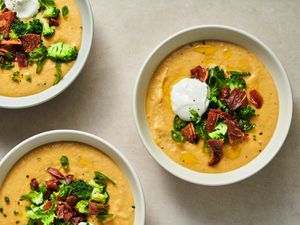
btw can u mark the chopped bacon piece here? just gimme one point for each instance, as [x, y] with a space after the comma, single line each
[52, 185]
[22, 59]
[6, 19]
[200, 73]
[47, 205]
[236, 99]
[189, 133]
[211, 121]
[235, 133]
[31, 42]
[71, 200]
[96, 208]
[53, 22]
[64, 211]
[34, 184]
[56, 173]
[11, 42]
[215, 147]
[69, 179]
[256, 99]
[212, 118]
[225, 92]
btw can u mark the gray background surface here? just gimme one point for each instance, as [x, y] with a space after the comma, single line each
[100, 102]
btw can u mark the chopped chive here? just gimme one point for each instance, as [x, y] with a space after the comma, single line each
[6, 199]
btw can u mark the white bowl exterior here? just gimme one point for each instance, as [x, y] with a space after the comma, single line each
[229, 34]
[78, 136]
[87, 38]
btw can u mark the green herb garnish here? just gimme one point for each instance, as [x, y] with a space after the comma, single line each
[100, 178]
[65, 11]
[64, 161]
[6, 199]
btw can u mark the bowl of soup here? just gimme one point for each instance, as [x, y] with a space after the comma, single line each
[68, 176]
[43, 48]
[212, 105]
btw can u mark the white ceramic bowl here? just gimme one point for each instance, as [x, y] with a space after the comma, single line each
[229, 34]
[87, 38]
[72, 135]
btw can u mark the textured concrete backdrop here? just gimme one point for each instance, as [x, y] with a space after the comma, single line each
[100, 102]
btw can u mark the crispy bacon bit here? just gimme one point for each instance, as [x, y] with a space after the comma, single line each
[96, 209]
[34, 184]
[69, 179]
[6, 19]
[52, 185]
[56, 173]
[64, 211]
[215, 147]
[235, 133]
[71, 200]
[53, 22]
[224, 92]
[211, 121]
[189, 133]
[47, 205]
[22, 59]
[222, 114]
[236, 99]
[200, 73]
[31, 42]
[11, 42]
[256, 99]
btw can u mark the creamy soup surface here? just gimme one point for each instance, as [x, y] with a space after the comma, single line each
[176, 67]
[70, 32]
[83, 161]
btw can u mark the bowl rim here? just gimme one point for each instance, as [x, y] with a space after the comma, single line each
[21, 102]
[71, 135]
[167, 162]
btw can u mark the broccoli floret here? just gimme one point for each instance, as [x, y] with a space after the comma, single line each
[38, 213]
[179, 124]
[18, 28]
[101, 187]
[81, 189]
[98, 196]
[219, 132]
[35, 27]
[62, 52]
[246, 112]
[50, 10]
[216, 77]
[236, 81]
[34, 196]
[82, 206]
[38, 56]
[245, 124]
[47, 29]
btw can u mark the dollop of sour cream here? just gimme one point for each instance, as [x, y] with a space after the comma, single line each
[24, 8]
[189, 94]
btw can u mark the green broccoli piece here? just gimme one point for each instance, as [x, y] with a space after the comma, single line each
[81, 189]
[177, 136]
[47, 29]
[179, 124]
[61, 52]
[18, 28]
[245, 124]
[38, 56]
[246, 112]
[38, 213]
[215, 101]
[238, 73]
[99, 196]
[100, 178]
[50, 10]
[34, 196]
[101, 187]
[219, 132]
[82, 206]
[34, 27]
[216, 77]
[236, 81]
